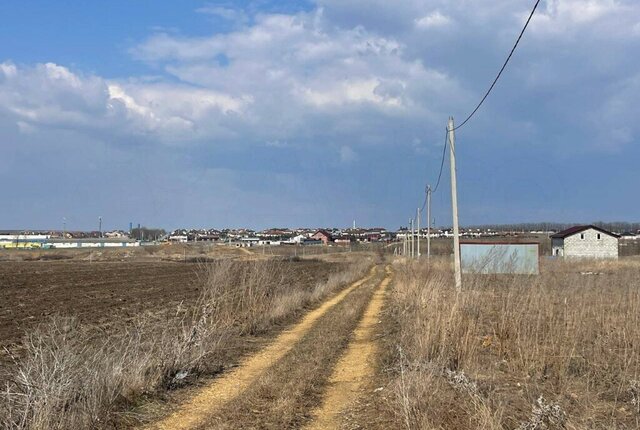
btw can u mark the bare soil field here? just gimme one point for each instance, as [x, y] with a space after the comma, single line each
[178, 252]
[104, 293]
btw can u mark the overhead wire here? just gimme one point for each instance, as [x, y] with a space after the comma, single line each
[444, 153]
[493, 84]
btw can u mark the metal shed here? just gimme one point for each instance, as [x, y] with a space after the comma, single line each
[499, 257]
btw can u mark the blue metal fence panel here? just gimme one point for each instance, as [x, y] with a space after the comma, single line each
[514, 258]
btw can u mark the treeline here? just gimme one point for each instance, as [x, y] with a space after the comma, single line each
[146, 233]
[619, 227]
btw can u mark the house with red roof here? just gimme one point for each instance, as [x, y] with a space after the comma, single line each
[322, 235]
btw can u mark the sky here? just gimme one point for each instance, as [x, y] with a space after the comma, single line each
[315, 113]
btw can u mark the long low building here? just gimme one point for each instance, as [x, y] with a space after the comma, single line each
[93, 243]
[60, 243]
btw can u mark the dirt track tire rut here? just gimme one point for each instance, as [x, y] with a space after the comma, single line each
[355, 369]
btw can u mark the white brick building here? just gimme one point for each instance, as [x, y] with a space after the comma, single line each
[585, 241]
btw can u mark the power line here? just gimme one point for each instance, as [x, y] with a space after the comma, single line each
[493, 84]
[503, 67]
[444, 153]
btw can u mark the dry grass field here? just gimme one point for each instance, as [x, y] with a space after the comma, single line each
[556, 351]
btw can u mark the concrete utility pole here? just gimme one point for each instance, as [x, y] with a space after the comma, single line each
[411, 240]
[428, 222]
[418, 253]
[406, 243]
[100, 226]
[454, 206]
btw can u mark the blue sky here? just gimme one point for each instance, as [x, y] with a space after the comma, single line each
[315, 113]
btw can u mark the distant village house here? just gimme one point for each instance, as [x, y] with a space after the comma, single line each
[323, 236]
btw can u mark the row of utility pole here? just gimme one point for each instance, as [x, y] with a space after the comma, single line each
[410, 241]
[411, 245]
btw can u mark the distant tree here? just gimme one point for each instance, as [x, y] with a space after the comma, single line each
[146, 233]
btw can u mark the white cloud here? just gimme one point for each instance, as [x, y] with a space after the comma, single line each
[601, 18]
[580, 11]
[228, 13]
[433, 20]
[299, 71]
[9, 70]
[118, 94]
[49, 95]
[363, 91]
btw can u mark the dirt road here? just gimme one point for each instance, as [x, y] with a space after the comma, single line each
[305, 377]
[355, 369]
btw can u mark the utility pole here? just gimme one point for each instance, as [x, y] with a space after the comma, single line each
[409, 234]
[454, 206]
[428, 222]
[404, 243]
[64, 227]
[100, 226]
[413, 237]
[418, 251]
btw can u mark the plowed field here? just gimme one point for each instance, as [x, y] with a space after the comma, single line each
[103, 293]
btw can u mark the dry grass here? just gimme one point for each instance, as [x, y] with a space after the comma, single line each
[75, 376]
[559, 350]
